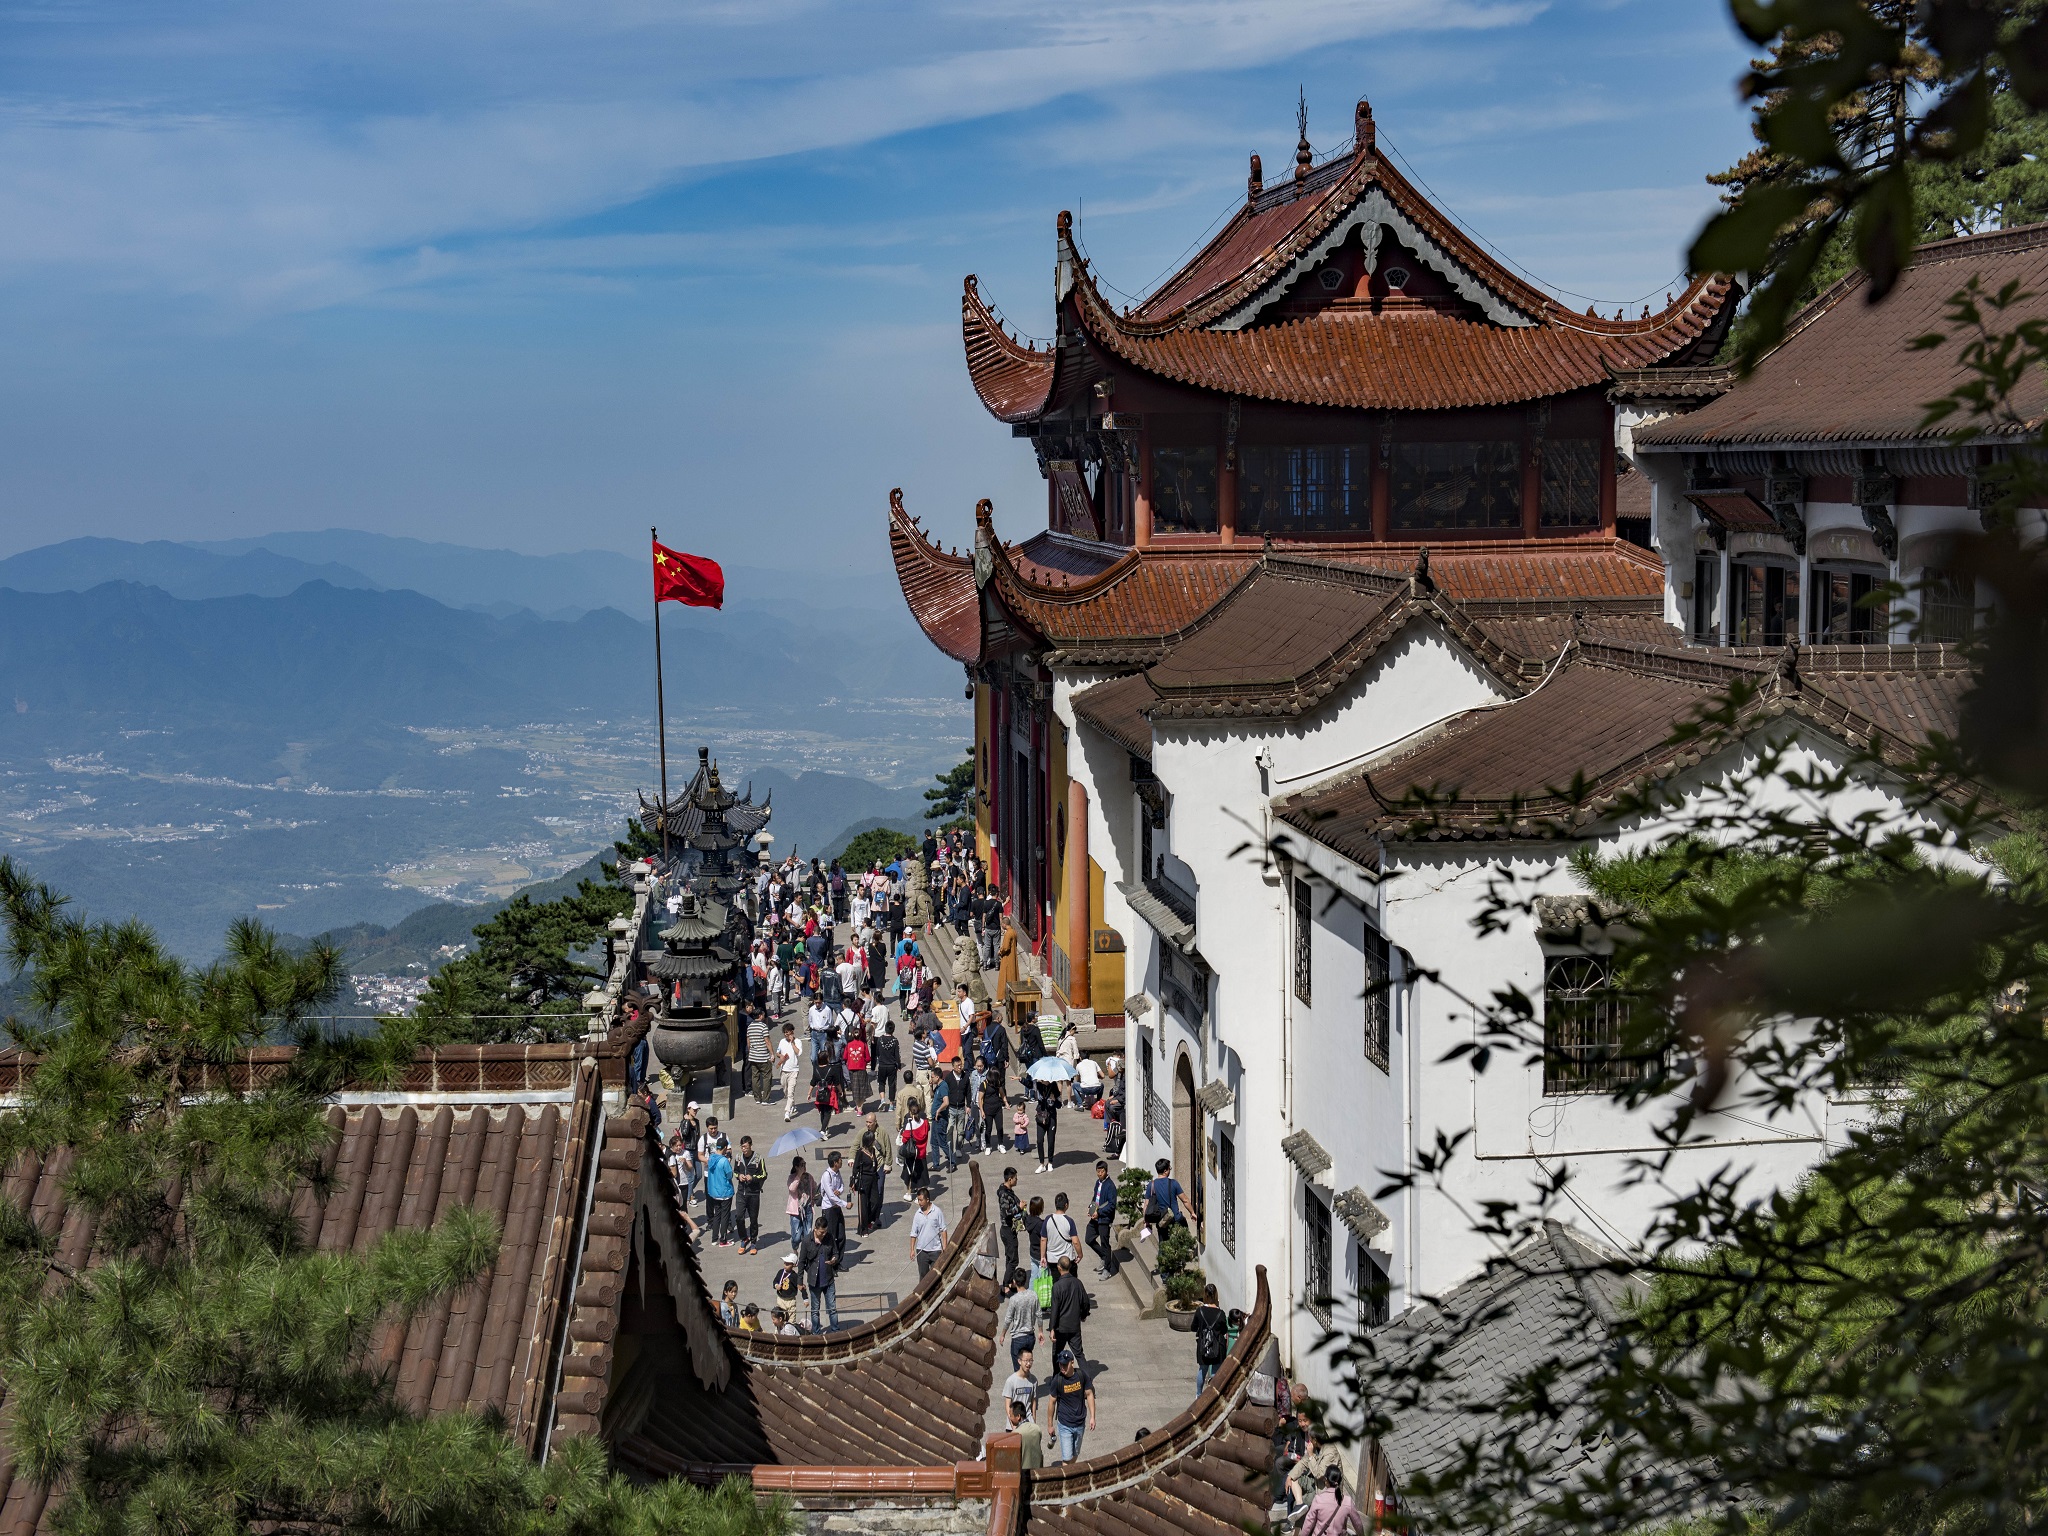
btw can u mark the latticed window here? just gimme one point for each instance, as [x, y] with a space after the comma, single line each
[1317, 489]
[1457, 485]
[1226, 1180]
[1948, 604]
[1304, 935]
[1379, 1001]
[1571, 484]
[1315, 1245]
[1583, 1018]
[1184, 490]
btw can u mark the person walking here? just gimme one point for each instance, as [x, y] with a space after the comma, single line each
[945, 1093]
[1070, 1406]
[1068, 1312]
[927, 1233]
[825, 1087]
[718, 1187]
[1165, 1201]
[1048, 1124]
[789, 1058]
[1101, 1220]
[1020, 1388]
[1212, 1337]
[885, 1057]
[819, 1268]
[916, 1138]
[867, 1178]
[749, 1173]
[854, 1058]
[1017, 1324]
[760, 1056]
[833, 1201]
[1009, 1217]
[1062, 1237]
[802, 1190]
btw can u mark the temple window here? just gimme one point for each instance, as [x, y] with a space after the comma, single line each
[1457, 485]
[1948, 606]
[1571, 484]
[1184, 489]
[1583, 1016]
[1764, 599]
[1706, 599]
[1848, 606]
[1326, 488]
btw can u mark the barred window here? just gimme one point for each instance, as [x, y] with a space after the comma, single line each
[1325, 488]
[1379, 1003]
[1375, 1290]
[1226, 1180]
[1304, 929]
[1948, 604]
[1315, 1245]
[1583, 1015]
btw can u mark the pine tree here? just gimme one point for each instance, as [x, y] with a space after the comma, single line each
[952, 802]
[207, 1372]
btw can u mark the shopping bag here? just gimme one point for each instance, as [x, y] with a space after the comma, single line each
[1042, 1287]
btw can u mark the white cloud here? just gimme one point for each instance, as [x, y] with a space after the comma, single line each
[286, 159]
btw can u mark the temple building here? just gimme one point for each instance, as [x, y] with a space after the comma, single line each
[1373, 575]
[1340, 371]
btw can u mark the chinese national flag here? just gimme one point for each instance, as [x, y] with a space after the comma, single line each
[691, 579]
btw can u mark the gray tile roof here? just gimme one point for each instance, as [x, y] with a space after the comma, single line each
[1552, 1298]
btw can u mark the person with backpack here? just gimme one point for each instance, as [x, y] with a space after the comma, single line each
[1101, 1216]
[1165, 1201]
[1048, 1095]
[1331, 1512]
[1069, 1310]
[1061, 1235]
[1212, 1337]
[885, 1058]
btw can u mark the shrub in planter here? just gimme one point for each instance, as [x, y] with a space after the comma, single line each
[1176, 1252]
[1185, 1288]
[1130, 1195]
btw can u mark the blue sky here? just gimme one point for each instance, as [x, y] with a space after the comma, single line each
[536, 274]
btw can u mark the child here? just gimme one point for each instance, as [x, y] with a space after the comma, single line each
[787, 1281]
[750, 1319]
[1020, 1128]
[729, 1304]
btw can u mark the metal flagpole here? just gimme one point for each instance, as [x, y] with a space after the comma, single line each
[660, 712]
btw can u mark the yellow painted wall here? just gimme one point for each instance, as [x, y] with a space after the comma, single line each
[1106, 974]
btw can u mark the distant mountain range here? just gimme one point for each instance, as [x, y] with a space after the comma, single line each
[352, 747]
[501, 582]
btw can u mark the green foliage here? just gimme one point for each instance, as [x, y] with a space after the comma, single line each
[1130, 1194]
[952, 802]
[521, 981]
[208, 1372]
[1185, 1288]
[877, 845]
[1881, 123]
[1177, 1251]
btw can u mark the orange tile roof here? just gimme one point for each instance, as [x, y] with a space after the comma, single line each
[939, 587]
[1201, 328]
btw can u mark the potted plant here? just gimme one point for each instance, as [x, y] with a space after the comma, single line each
[1180, 1277]
[1130, 1197]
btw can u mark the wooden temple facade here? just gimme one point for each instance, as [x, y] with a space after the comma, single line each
[1341, 370]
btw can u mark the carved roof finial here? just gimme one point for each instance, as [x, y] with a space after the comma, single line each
[1788, 667]
[1303, 155]
[1066, 225]
[984, 513]
[896, 501]
[1255, 183]
[1421, 579]
[1368, 136]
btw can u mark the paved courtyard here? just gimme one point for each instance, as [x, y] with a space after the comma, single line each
[1145, 1372]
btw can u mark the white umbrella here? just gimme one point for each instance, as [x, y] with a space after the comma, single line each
[789, 1141]
[1050, 1069]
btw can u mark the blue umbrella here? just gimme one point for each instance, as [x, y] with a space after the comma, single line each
[789, 1141]
[1050, 1069]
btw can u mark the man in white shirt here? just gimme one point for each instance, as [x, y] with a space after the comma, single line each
[1060, 1232]
[849, 977]
[789, 1057]
[819, 1022]
[965, 1005]
[927, 1232]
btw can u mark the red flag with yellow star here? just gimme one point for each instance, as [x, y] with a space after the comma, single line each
[689, 579]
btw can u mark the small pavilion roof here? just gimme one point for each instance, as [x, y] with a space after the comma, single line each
[1506, 341]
